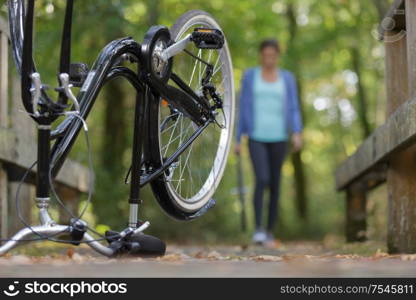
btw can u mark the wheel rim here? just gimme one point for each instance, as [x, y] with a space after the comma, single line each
[192, 180]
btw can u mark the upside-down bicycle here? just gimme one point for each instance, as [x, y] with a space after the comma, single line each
[183, 123]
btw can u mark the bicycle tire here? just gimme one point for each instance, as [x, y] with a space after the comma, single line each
[185, 207]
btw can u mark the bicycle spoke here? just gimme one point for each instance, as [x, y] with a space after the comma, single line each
[208, 60]
[216, 70]
[200, 66]
[193, 71]
[183, 167]
[175, 139]
[171, 135]
[166, 129]
[180, 157]
[216, 63]
[186, 161]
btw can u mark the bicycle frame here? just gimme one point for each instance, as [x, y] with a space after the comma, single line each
[106, 67]
[103, 70]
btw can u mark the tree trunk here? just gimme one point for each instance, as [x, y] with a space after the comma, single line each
[300, 178]
[361, 96]
[114, 142]
[111, 194]
[114, 145]
[153, 12]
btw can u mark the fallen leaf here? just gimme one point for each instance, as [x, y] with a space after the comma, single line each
[199, 254]
[266, 258]
[380, 254]
[214, 255]
[170, 257]
[78, 257]
[20, 259]
[408, 257]
[347, 256]
[70, 252]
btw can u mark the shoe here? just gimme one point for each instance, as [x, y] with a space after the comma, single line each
[270, 241]
[269, 236]
[259, 236]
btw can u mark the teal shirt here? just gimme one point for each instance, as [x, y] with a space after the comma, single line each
[269, 118]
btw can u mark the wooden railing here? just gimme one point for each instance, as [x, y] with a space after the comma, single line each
[18, 150]
[389, 153]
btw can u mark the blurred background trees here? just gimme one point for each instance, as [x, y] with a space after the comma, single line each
[332, 48]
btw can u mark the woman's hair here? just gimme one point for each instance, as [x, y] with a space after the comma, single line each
[270, 43]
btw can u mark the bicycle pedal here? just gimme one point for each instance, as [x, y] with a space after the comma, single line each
[78, 72]
[207, 38]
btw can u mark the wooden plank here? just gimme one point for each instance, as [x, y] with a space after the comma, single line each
[22, 155]
[4, 26]
[397, 89]
[4, 206]
[376, 177]
[4, 67]
[397, 133]
[20, 122]
[26, 203]
[70, 198]
[411, 45]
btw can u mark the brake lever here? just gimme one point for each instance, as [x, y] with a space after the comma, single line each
[66, 87]
[36, 91]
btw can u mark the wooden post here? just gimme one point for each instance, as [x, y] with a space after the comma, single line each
[401, 178]
[397, 89]
[356, 219]
[4, 76]
[401, 175]
[4, 43]
[26, 196]
[4, 207]
[411, 45]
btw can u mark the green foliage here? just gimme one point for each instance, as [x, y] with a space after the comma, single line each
[319, 55]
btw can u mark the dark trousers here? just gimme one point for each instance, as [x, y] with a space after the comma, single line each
[267, 160]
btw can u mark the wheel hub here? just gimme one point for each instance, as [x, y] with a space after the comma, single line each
[159, 66]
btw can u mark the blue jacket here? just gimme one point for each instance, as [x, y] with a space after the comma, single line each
[292, 111]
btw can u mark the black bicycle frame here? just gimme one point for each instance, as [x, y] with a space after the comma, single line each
[104, 69]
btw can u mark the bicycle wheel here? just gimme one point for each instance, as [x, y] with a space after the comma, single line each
[191, 181]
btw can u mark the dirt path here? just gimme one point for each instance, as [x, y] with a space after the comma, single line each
[294, 260]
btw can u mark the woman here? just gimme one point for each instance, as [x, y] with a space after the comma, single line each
[270, 116]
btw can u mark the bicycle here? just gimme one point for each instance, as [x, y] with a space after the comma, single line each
[183, 122]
